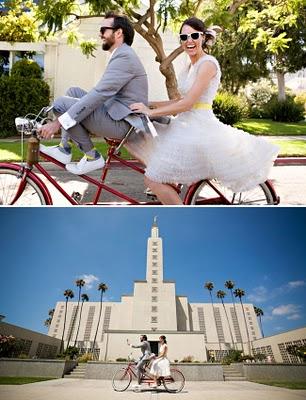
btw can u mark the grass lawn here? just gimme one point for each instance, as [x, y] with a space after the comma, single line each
[271, 128]
[11, 151]
[288, 385]
[291, 148]
[21, 380]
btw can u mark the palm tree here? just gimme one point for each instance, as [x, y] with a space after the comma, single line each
[51, 312]
[84, 298]
[240, 293]
[259, 313]
[210, 286]
[102, 288]
[79, 283]
[47, 322]
[230, 286]
[68, 294]
[221, 294]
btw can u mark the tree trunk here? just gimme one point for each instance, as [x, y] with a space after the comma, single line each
[62, 341]
[228, 323]
[77, 332]
[246, 328]
[281, 85]
[95, 338]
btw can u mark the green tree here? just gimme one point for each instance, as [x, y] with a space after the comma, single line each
[102, 288]
[259, 313]
[280, 27]
[220, 295]
[68, 294]
[84, 297]
[79, 284]
[240, 293]
[19, 24]
[230, 286]
[210, 287]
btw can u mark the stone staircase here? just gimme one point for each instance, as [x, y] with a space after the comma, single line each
[78, 372]
[233, 372]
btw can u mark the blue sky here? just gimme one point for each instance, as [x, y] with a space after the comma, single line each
[43, 251]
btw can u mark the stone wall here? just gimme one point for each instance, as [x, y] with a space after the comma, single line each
[275, 372]
[192, 372]
[50, 368]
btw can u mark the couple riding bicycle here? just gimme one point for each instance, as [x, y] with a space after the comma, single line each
[159, 364]
[194, 146]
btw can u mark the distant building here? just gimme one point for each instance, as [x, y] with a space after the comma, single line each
[35, 344]
[192, 329]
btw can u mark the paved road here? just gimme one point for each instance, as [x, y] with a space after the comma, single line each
[90, 389]
[289, 181]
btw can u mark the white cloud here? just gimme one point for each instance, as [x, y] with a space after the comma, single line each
[261, 294]
[89, 280]
[294, 317]
[291, 311]
[296, 284]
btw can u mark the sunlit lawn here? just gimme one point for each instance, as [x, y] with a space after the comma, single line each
[288, 385]
[271, 128]
[21, 380]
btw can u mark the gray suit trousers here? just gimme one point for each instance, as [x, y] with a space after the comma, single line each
[98, 122]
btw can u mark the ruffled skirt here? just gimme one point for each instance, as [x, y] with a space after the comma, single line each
[160, 367]
[196, 145]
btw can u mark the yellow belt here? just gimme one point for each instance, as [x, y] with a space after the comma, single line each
[202, 106]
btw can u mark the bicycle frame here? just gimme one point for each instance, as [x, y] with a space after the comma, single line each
[145, 377]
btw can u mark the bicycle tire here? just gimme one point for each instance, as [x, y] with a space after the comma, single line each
[175, 382]
[32, 194]
[204, 194]
[121, 380]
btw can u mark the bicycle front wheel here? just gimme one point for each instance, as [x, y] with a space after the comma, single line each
[121, 380]
[214, 193]
[10, 180]
[175, 382]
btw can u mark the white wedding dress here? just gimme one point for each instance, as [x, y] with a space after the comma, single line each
[161, 366]
[196, 145]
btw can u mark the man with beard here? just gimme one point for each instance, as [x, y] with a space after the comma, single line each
[104, 110]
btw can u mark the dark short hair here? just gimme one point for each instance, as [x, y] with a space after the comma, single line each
[199, 26]
[122, 22]
[145, 337]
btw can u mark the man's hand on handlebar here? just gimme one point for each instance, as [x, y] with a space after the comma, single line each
[48, 130]
[140, 108]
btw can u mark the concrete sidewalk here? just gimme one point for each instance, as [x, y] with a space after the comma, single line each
[91, 389]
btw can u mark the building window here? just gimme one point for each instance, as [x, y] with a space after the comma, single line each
[154, 264]
[55, 330]
[154, 320]
[154, 289]
[154, 272]
[154, 299]
[154, 250]
[154, 280]
[154, 257]
[154, 309]
[154, 243]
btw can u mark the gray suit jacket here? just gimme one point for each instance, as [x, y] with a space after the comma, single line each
[145, 349]
[124, 82]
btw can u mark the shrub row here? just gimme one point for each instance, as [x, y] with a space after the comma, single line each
[21, 93]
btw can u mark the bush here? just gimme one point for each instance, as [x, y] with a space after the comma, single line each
[18, 97]
[26, 69]
[229, 108]
[187, 359]
[71, 353]
[258, 95]
[284, 110]
[301, 98]
[85, 357]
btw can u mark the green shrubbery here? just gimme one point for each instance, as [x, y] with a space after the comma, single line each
[21, 93]
[229, 108]
[285, 110]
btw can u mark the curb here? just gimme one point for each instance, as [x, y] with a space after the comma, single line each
[290, 161]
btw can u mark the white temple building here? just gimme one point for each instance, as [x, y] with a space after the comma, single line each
[198, 330]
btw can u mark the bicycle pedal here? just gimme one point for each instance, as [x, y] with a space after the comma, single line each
[77, 196]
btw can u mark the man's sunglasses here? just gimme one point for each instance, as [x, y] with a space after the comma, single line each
[104, 28]
[193, 36]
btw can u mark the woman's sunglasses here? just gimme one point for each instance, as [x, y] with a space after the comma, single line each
[193, 36]
[104, 28]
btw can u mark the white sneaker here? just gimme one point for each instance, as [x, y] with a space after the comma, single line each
[84, 166]
[55, 152]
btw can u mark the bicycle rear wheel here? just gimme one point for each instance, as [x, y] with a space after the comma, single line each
[175, 382]
[207, 193]
[10, 180]
[121, 380]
